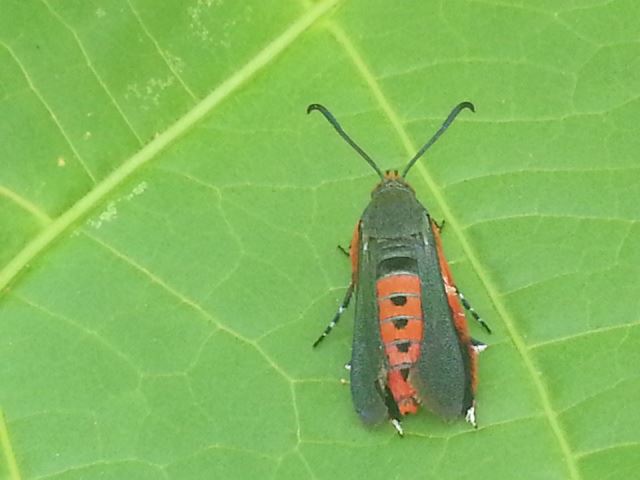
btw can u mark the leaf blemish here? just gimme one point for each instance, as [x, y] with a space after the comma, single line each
[111, 212]
[197, 25]
[137, 190]
[150, 92]
[106, 215]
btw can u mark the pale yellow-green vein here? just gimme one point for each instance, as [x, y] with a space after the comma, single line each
[26, 205]
[92, 69]
[184, 299]
[7, 449]
[49, 110]
[162, 54]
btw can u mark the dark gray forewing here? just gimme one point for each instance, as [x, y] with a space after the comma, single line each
[367, 356]
[440, 377]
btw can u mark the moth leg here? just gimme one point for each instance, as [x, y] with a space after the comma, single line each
[394, 411]
[336, 318]
[344, 250]
[392, 408]
[439, 225]
[471, 310]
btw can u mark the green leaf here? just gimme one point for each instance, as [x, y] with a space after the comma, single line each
[170, 216]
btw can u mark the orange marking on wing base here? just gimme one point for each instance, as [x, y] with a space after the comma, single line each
[459, 318]
[354, 251]
[412, 331]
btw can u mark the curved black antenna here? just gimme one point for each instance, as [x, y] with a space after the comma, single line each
[332, 120]
[454, 113]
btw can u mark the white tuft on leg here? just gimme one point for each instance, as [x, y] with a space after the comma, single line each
[480, 347]
[397, 426]
[471, 415]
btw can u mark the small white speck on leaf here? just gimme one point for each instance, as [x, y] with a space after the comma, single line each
[150, 92]
[110, 213]
[107, 215]
[137, 190]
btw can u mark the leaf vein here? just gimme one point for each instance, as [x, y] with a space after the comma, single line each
[161, 52]
[93, 335]
[93, 70]
[9, 456]
[608, 448]
[49, 110]
[187, 301]
[569, 338]
[26, 205]
[592, 396]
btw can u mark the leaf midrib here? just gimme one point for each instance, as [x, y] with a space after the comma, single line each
[454, 224]
[119, 176]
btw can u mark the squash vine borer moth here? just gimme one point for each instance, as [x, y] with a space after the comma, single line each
[411, 344]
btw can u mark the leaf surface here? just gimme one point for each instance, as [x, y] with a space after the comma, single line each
[170, 216]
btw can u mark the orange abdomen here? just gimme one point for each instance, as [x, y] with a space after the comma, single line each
[401, 330]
